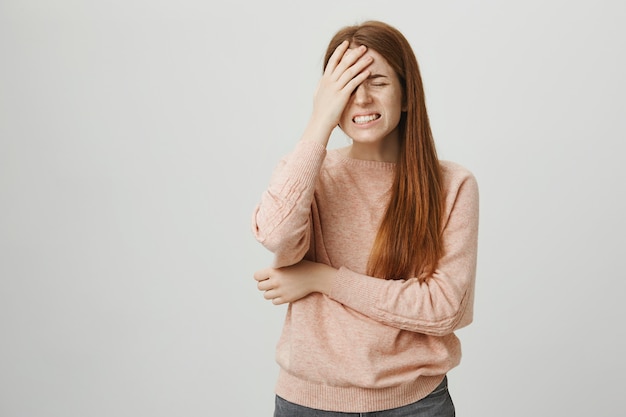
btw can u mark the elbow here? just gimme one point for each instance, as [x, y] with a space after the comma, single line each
[461, 317]
[442, 324]
[286, 251]
[442, 328]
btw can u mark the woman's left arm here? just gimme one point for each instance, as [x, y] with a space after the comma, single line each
[437, 304]
[291, 283]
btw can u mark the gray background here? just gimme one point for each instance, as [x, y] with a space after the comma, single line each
[136, 137]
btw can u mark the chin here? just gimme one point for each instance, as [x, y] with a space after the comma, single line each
[368, 137]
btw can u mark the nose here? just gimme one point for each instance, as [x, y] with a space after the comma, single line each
[361, 95]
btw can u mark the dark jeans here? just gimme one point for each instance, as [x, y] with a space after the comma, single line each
[437, 404]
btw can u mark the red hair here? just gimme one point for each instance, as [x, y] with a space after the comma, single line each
[409, 241]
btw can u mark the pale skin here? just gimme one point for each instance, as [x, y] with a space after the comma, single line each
[361, 93]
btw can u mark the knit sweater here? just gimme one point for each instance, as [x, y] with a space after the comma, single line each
[370, 344]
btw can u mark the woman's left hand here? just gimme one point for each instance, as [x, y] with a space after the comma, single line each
[291, 283]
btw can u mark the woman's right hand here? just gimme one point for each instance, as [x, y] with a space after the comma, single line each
[345, 71]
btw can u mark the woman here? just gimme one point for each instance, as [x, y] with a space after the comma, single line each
[375, 243]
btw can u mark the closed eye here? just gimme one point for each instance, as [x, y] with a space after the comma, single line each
[378, 80]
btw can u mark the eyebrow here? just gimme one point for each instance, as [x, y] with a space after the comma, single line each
[374, 76]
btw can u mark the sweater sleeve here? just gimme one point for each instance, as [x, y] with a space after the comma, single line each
[438, 304]
[282, 219]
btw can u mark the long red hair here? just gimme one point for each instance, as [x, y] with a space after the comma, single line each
[409, 241]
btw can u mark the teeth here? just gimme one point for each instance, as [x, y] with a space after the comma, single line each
[365, 119]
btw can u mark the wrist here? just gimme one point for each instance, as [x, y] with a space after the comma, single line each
[319, 132]
[324, 283]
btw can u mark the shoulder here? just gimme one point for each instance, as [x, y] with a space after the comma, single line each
[455, 174]
[454, 169]
[459, 186]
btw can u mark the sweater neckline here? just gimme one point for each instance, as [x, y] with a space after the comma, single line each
[338, 155]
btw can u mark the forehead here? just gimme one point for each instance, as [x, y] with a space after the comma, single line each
[380, 64]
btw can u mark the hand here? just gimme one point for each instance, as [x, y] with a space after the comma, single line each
[345, 71]
[291, 283]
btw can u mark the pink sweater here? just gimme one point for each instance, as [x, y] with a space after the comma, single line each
[371, 344]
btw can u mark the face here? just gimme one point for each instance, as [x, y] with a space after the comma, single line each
[374, 109]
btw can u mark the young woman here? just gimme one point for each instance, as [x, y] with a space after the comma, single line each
[375, 243]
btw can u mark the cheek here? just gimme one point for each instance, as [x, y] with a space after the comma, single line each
[395, 104]
[345, 115]
[396, 107]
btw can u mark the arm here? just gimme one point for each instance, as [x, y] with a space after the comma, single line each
[435, 305]
[282, 220]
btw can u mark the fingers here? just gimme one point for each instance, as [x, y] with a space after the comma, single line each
[352, 63]
[345, 71]
[349, 69]
[262, 274]
[267, 285]
[264, 285]
[347, 60]
[273, 297]
[336, 56]
[270, 293]
[355, 81]
[278, 301]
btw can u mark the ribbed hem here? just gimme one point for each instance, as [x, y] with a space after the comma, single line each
[353, 399]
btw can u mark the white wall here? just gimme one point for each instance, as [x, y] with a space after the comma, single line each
[136, 137]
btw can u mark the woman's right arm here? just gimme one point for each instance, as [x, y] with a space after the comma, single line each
[282, 219]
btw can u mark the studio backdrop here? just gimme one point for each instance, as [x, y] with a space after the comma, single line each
[136, 137]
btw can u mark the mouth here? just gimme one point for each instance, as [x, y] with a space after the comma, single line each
[361, 120]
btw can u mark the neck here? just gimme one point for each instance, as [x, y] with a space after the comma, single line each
[386, 151]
